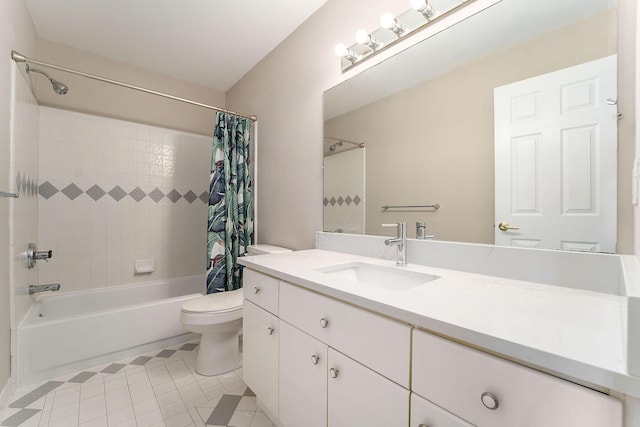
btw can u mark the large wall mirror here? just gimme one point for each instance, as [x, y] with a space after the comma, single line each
[507, 121]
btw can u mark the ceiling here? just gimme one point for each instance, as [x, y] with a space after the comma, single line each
[209, 42]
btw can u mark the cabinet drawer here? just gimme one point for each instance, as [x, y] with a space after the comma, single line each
[380, 343]
[457, 378]
[261, 289]
[425, 413]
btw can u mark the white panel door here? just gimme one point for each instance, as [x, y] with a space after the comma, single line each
[303, 379]
[556, 159]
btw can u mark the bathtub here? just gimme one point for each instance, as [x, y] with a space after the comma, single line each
[67, 332]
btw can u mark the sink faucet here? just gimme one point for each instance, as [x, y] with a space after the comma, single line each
[400, 241]
[34, 289]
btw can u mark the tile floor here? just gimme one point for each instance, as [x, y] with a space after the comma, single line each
[157, 389]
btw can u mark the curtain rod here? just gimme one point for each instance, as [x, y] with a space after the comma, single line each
[334, 138]
[17, 57]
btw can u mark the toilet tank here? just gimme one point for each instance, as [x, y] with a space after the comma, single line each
[265, 249]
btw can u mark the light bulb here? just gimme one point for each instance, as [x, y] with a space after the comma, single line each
[418, 4]
[362, 36]
[424, 8]
[387, 21]
[341, 50]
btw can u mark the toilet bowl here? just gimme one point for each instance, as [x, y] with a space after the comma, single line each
[218, 318]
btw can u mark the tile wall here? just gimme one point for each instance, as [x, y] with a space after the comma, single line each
[23, 211]
[112, 192]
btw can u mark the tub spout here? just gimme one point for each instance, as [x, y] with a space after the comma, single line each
[34, 289]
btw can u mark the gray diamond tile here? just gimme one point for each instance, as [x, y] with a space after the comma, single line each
[188, 347]
[96, 192]
[340, 201]
[19, 417]
[23, 184]
[348, 200]
[113, 368]
[117, 193]
[72, 191]
[137, 194]
[47, 190]
[140, 360]
[18, 183]
[174, 196]
[357, 200]
[156, 195]
[34, 188]
[204, 197]
[27, 188]
[190, 196]
[166, 353]
[82, 377]
[36, 394]
[325, 201]
[332, 201]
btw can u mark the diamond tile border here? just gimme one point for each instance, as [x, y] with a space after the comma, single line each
[339, 200]
[47, 190]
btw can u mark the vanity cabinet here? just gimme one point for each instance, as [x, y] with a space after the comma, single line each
[488, 391]
[426, 414]
[260, 337]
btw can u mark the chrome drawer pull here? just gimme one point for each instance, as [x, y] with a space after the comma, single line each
[315, 359]
[270, 330]
[324, 323]
[489, 400]
[333, 372]
[422, 425]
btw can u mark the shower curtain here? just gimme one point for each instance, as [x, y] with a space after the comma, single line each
[230, 225]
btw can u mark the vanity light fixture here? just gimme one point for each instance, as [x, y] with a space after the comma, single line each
[363, 37]
[424, 8]
[344, 52]
[389, 22]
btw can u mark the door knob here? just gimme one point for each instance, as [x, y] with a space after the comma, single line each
[489, 400]
[504, 226]
[324, 323]
[333, 372]
[315, 359]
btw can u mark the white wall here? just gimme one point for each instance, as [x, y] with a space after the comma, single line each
[98, 232]
[285, 91]
[16, 32]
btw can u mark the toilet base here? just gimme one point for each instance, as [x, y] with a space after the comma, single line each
[219, 351]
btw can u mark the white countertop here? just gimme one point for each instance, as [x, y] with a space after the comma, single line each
[577, 334]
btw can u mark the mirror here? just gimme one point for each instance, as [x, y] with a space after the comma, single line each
[419, 129]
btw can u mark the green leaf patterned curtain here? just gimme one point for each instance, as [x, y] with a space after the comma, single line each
[230, 225]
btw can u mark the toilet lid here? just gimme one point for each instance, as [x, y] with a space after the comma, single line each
[219, 302]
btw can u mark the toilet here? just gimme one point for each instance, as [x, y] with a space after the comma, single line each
[218, 318]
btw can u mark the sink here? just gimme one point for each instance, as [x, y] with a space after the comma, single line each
[390, 278]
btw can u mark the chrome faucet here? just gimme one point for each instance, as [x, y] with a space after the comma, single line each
[400, 241]
[34, 289]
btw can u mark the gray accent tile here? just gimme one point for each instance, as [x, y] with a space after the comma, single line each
[34, 188]
[117, 193]
[190, 196]
[156, 195]
[325, 202]
[223, 412]
[20, 417]
[140, 360]
[166, 353]
[82, 377]
[188, 346]
[72, 191]
[137, 194]
[96, 192]
[333, 201]
[348, 200]
[204, 197]
[340, 201]
[248, 392]
[47, 190]
[113, 368]
[24, 182]
[36, 394]
[18, 183]
[357, 200]
[174, 196]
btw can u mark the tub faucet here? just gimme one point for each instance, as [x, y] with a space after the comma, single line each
[34, 289]
[400, 241]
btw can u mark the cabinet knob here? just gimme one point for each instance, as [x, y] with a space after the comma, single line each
[489, 400]
[270, 330]
[256, 289]
[315, 359]
[324, 323]
[333, 372]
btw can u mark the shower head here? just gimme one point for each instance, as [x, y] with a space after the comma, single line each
[58, 87]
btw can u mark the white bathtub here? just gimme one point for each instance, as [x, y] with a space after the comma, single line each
[67, 332]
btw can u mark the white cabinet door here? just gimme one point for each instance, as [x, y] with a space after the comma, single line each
[260, 364]
[303, 379]
[359, 397]
[426, 414]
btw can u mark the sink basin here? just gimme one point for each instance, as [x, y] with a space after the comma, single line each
[390, 278]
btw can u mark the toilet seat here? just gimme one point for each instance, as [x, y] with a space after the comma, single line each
[221, 302]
